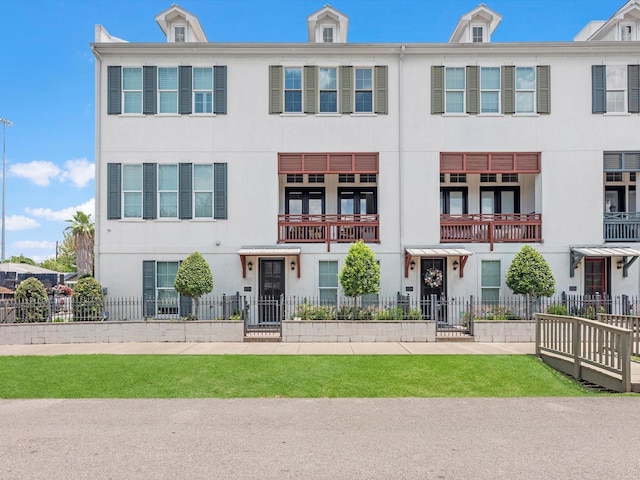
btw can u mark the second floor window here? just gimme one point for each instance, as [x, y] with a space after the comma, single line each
[132, 191]
[525, 89]
[202, 90]
[167, 90]
[328, 90]
[293, 89]
[168, 191]
[203, 191]
[132, 90]
[454, 89]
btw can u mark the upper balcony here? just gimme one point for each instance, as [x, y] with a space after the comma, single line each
[621, 226]
[328, 228]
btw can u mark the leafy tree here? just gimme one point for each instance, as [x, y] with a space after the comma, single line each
[88, 302]
[20, 259]
[82, 231]
[32, 302]
[65, 260]
[530, 274]
[360, 274]
[194, 279]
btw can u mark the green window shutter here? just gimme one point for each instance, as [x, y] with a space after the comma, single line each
[437, 89]
[310, 88]
[149, 191]
[114, 90]
[149, 86]
[275, 89]
[543, 89]
[149, 287]
[473, 94]
[633, 79]
[114, 194]
[346, 89]
[598, 89]
[382, 89]
[220, 89]
[185, 192]
[184, 86]
[220, 190]
[508, 89]
[185, 305]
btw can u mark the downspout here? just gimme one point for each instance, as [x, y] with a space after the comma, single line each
[98, 179]
[401, 158]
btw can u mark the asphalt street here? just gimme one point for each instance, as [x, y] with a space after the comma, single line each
[518, 438]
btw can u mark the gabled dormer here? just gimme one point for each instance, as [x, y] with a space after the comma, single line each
[623, 26]
[327, 25]
[476, 26]
[180, 26]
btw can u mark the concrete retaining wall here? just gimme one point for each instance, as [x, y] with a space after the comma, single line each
[359, 331]
[504, 331]
[121, 332]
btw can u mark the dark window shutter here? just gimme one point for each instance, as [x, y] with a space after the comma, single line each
[149, 191]
[310, 88]
[185, 190]
[437, 89]
[185, 306]
[114, 86]
[346, 89]
[633, 79]
[114, 182]
[382, 89]
[220, 89]
[149, 85]
[275, 89]
[543, 89]
[220, 190]
[598, 89]
[184, 79]
[473, 94]
[149, 287]
[508, 89]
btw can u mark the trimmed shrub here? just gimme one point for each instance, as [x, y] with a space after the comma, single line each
[32, 302]
[556, 309]
[88, 303]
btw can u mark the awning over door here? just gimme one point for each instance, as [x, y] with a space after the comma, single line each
[628, 254]
[461, 253]
[268, 252]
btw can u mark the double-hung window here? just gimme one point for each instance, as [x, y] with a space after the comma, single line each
[293, 89]
[490, 90]
[132, 191]
[132, 90]
[167, 297]
[168, 191]
[167, 90]
[525, 90]
[328, 90]
[364, 90]
[328, 282]
[490, 282]
[327, 34]
[616, 88]
[477, 34]
[203, 191]
[202, 90]
[454, 89]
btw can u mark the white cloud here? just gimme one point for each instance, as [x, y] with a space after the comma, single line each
[38, 172]
[18, 222]
[87, 207]
[79, 172]
[34, 244]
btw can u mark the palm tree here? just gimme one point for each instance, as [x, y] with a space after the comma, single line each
[82, 230]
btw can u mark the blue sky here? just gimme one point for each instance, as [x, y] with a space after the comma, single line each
[47, 76]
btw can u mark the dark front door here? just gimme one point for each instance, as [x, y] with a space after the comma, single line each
[271, 289]
[433, 281]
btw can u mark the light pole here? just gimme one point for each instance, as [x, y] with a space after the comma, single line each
[4, 123]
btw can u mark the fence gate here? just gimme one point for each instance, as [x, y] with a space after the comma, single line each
[264, 315]
[451, 317]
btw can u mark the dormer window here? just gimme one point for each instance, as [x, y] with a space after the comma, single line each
[626, 32]
[179, 34]
[327, 34]
[477, 34]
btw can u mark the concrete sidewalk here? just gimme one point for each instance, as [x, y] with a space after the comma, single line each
[272, 348]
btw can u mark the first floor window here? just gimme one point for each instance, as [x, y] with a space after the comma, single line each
[203, 191]
[293, 89]
[454, 89]
[328, 90]
[525, 89]
[364, 90]
[490, 281]
[202, 90]
[168, 299]
[132, 191]
[132, 90]
[328, 282]
[167, 90]
[168, 191]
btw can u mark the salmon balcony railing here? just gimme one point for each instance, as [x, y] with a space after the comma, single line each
[340, 228]
[491, 228]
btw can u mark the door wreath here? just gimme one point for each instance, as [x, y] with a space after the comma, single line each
[433, 278]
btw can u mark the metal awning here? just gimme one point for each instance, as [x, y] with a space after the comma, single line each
[462, 253]
[268, 252]
[628, 254]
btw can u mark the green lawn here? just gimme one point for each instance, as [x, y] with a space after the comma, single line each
[264, 376]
